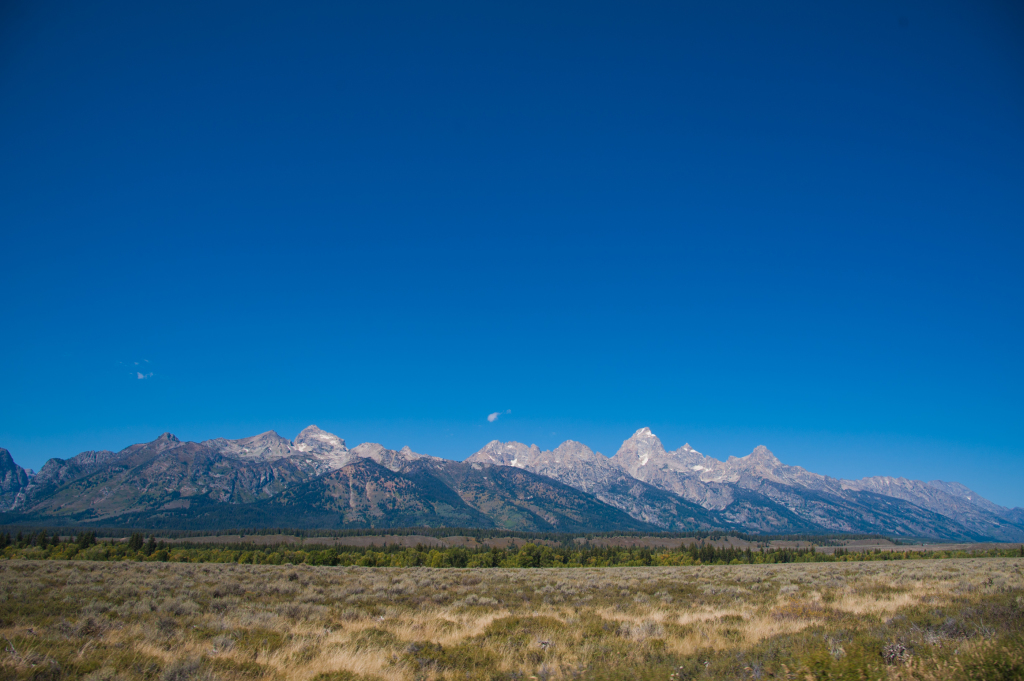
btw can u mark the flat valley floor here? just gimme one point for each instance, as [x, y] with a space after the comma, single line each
[915, 619]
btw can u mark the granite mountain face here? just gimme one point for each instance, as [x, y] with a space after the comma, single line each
[317, 481]
[576, 465]
[757, 493]
[834, 504]
[13, 481]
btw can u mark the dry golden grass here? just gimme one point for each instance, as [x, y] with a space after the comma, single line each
[204, 621]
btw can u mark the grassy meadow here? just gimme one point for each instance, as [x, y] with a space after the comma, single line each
[939, 619]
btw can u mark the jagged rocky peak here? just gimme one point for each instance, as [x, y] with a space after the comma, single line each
[573, 447]
[761, 455]
[763, 465]
[268, 446]
[571, 462]
[367, 450]
[11, 472]
[506, 454]
[640, 448]
[317, 441]
[572, 451]
[165, 441]
[689, 457]
[388, 458]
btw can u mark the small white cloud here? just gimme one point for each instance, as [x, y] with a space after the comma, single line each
[142, 375]
[491, 418]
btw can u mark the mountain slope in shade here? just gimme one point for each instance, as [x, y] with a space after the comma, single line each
[360, 494]
[164, 474]
[1015, 515]
[57, 472]
[518, 499]
[367, 494]
[427, 492]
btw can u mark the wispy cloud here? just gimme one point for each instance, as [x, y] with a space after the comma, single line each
[137, 369]
[491, 418]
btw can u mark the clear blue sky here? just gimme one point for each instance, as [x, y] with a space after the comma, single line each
[798, 225]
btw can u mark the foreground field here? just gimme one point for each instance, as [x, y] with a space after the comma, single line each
[948, 619]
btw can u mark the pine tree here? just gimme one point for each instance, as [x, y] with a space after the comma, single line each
[136, 541]
[151, 545]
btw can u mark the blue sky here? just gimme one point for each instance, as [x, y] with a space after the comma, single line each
[737, 223]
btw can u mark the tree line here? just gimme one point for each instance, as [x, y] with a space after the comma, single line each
[84, 546]
[566, 538]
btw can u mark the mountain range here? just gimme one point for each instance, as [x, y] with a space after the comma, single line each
[316, 481]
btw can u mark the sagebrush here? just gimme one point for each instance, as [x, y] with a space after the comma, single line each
[953, 619]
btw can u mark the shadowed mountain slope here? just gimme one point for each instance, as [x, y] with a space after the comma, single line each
[426, 493]
[518, 499]
[162, 475]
